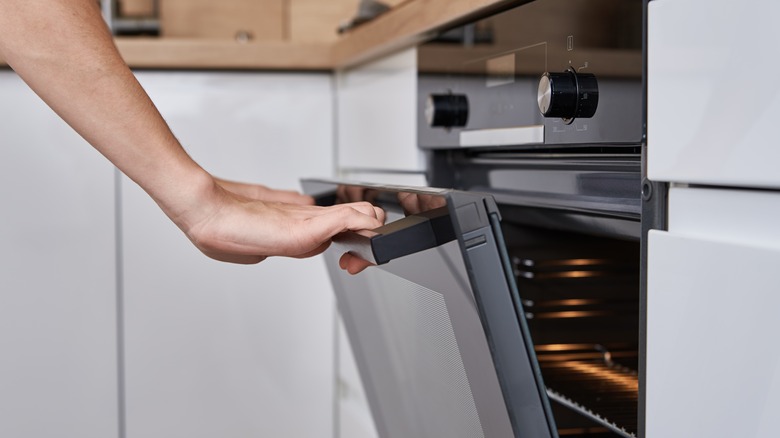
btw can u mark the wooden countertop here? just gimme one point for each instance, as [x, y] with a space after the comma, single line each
[403, 26]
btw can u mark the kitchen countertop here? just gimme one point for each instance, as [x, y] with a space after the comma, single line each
[403, 26]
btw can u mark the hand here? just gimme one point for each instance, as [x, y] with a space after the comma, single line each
[262, 193]
[344, 194]
[353, 264]
[412, 203]
[347, 193]
[233, 228]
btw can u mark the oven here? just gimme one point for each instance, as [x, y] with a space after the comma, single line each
[508, 296]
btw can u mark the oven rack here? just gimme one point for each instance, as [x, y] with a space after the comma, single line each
[602, 391]
[564, 401]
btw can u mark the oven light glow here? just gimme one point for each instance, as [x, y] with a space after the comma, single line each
[629, 383]
[570, 314]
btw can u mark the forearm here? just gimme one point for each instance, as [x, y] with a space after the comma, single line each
[64, 51]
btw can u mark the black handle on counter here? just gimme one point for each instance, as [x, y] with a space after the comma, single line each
[413, 233]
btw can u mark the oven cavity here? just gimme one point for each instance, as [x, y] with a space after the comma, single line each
[580, 297]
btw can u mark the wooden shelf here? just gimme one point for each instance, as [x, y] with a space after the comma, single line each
[406, 25]
[196, 53]
[202, 53]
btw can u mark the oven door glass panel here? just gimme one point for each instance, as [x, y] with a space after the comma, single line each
[439, 342]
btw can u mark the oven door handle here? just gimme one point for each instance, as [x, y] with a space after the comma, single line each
[413, 233]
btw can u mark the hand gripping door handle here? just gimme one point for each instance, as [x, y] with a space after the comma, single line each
[413, 233]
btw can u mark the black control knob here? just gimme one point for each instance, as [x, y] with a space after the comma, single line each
[447, 110]
[568, 95]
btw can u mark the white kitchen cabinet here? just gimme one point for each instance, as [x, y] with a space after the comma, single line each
[221, 350]
[376, 120]
[58, 338]
[712, 104]
[712, 366]
[712, 293]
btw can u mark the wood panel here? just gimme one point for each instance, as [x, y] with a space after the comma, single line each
[262, 20]
[194, 53]
[136, 8]
[318, 20]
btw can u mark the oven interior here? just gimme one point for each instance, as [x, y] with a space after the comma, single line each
[572, 225]
[580, 296]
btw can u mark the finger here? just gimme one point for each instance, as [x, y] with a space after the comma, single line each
[355, 194]
[347, 194]
[309, 212]
[302, 211]
[402, 196]
[380, 214]
[358, 217]
[368, 209]
[341, 194]
[353, 264]
[365, 208]
[409, 202]
[322, 228]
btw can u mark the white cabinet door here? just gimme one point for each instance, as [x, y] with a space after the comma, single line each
[58, 367]
[377, 122]
[220, 350]
[713, 366]
[713, 106]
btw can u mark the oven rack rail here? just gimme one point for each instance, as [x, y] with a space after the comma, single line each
[584, 411]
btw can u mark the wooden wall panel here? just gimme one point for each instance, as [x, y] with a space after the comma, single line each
[136, 8]
[264, 20]
[318, 20]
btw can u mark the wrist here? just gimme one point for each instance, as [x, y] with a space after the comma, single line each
[188, 196]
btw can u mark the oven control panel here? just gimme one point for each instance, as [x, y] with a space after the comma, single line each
[545, 74]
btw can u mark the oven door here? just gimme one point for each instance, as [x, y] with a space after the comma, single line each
[437, 327]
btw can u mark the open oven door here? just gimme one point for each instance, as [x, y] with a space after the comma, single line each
[437, 327]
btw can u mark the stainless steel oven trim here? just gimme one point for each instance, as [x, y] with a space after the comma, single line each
[521, 135]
